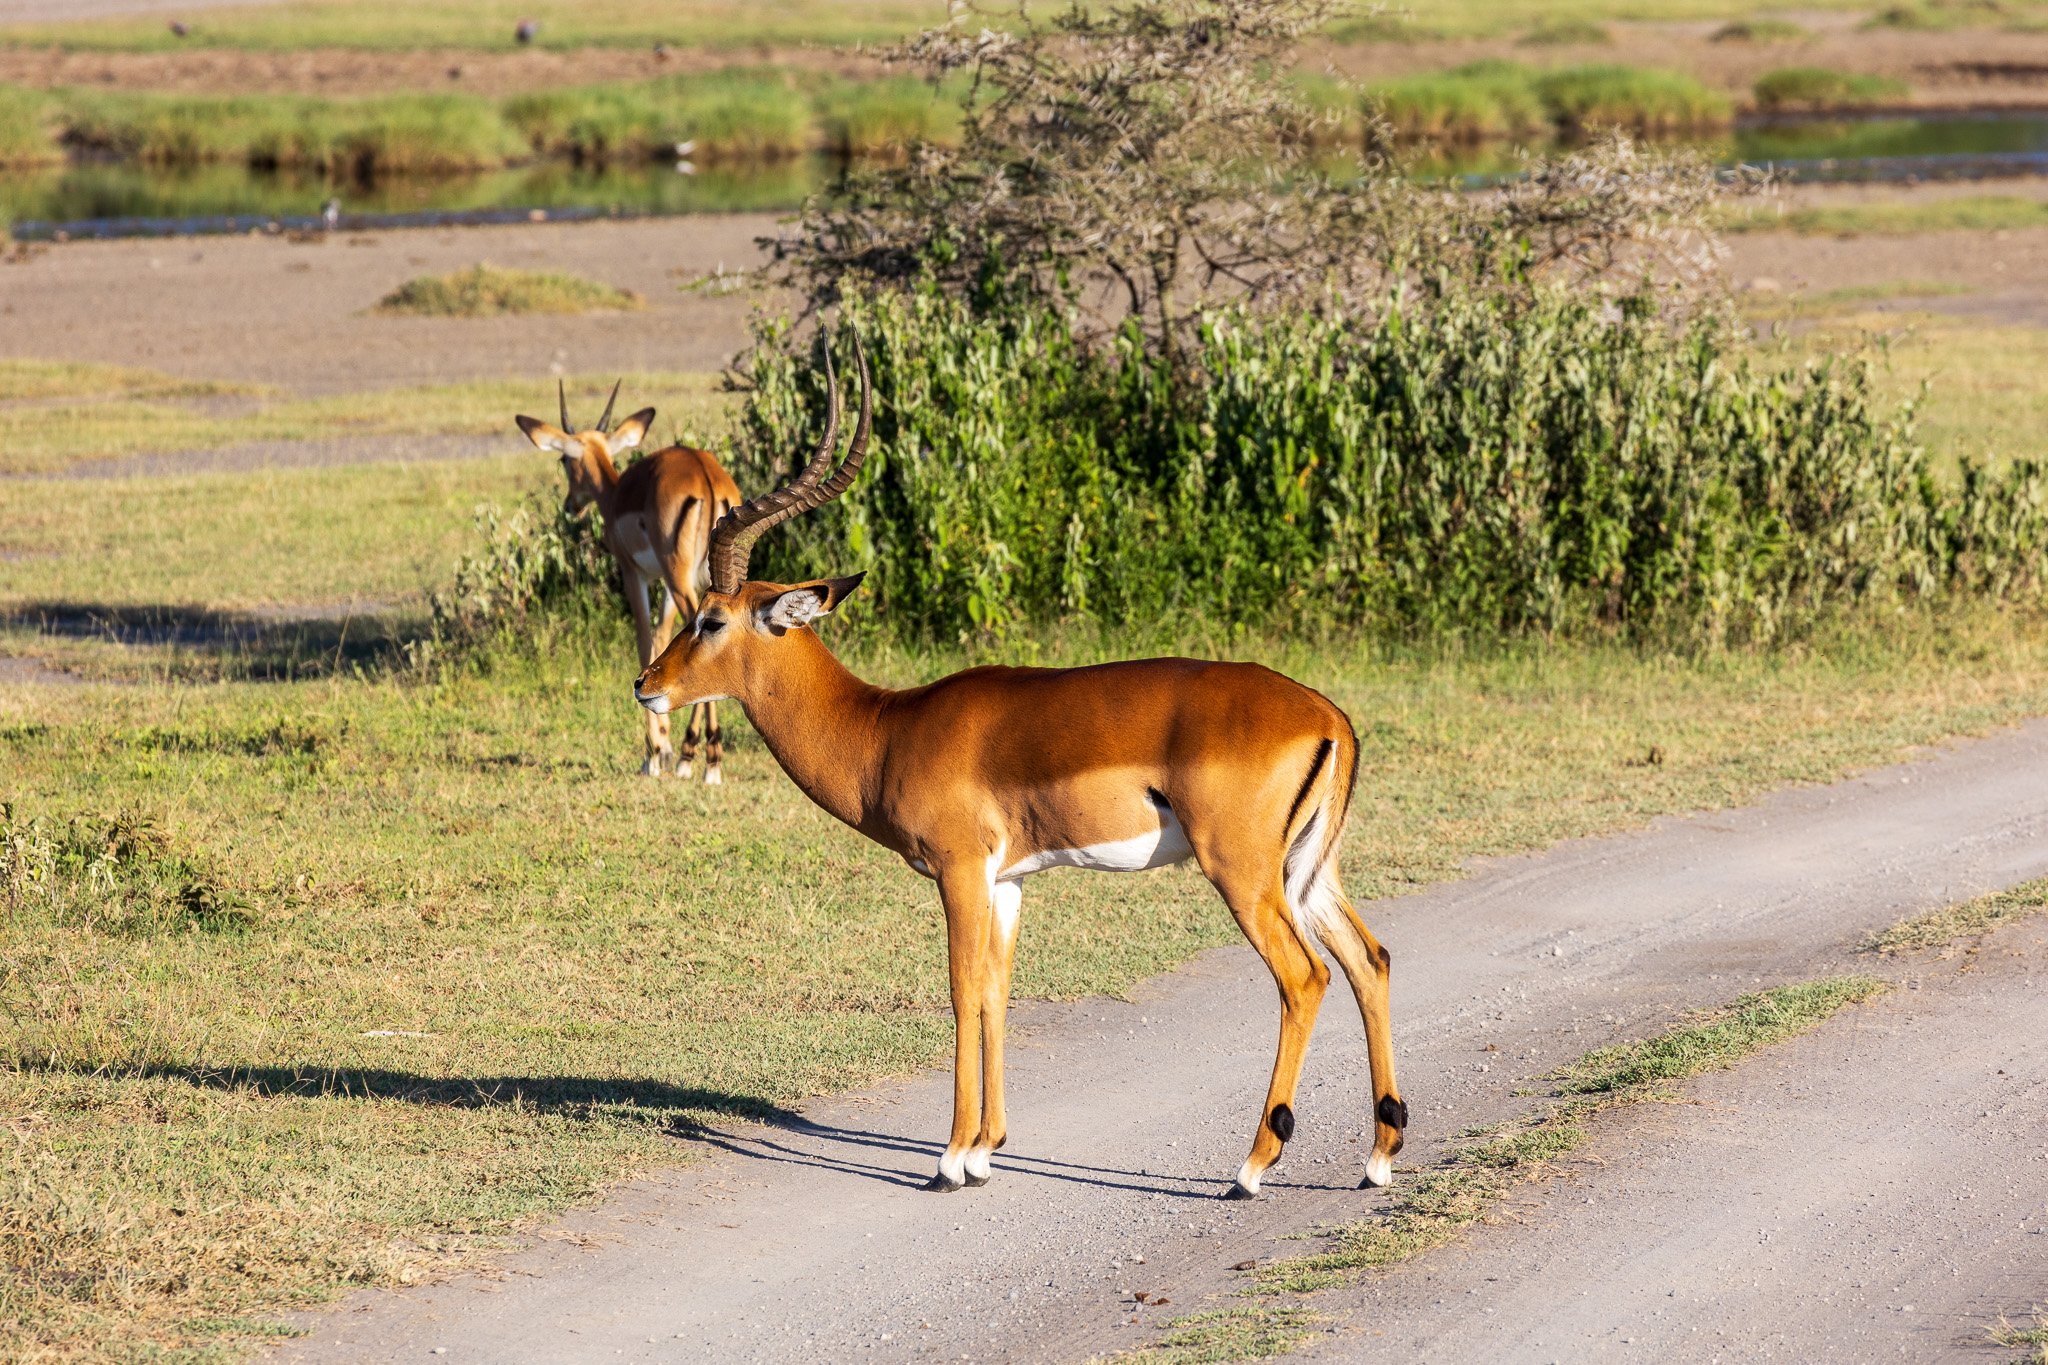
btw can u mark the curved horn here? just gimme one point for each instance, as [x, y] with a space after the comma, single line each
[604, 423]
[737, 530]
[563, 393]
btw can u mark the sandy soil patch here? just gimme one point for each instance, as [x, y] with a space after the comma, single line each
[296, 314]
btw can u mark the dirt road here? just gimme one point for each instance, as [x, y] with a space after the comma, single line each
[1128, 1119]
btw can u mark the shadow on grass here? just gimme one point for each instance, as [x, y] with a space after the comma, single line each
[691, 1113]
[263, 645]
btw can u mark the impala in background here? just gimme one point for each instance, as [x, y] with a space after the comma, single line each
[982, 778]
[657, 523]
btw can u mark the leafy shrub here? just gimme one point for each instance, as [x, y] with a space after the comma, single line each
[538, 562]
[1459, 464]
[1818, 87]
[117, 875]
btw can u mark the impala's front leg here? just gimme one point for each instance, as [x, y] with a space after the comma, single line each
[964, 887]
[1007, 899]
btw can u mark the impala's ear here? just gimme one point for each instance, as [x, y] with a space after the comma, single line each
[547, 437]
[799, 606]
[629, 432]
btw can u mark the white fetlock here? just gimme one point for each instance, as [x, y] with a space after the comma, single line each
[977, 1163]
[1379, 1170]
[652, 767]
[953, 1167]
[712, 777]
[683, 771]
[1247, 1178]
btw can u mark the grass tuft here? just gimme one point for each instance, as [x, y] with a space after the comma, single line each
[485, 290]
[1969, 919]
[28, 135]
[1903, 217]
[1639, 99]
[1819, 87]
[1750, 1024]
[1760, 31]
[1566, 31]
[1940, 16]
[1245, 1332]
[2035, 1338]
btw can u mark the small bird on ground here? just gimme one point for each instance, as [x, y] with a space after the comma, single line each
[330, 214]
[527, 31]
[179, 29]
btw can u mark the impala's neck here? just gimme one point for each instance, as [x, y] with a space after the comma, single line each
[821, 722]
[607, 484]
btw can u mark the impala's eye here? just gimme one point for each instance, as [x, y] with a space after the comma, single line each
[709, 625]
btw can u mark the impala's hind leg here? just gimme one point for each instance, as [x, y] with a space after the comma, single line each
[1302, 978]
[1366, 966]
[714, 746]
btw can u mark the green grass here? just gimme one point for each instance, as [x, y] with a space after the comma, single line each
[28, 135]
[727, 25]
[1242, 1332]
[1639, 99]
[1750, 1024]
[485, 290]
[1491, 99]
[380, 134]
[2034, 1338]
[1970, 919]
[1979, 390]
[1940, 16]
[235, 541]
[1483, 100]
[27, 380]
[1902, 217]
[1818, 87]
[740, 113]
[1432, 1208]
[1763, 30]
[59, 435]
[1560, 32]
[487, 25]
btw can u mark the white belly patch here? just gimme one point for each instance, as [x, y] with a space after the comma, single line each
[647, 564]
[1157, 848]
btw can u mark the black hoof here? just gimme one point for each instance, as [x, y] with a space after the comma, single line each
[977, 1181]
[1237, 1191]
[940, 1184]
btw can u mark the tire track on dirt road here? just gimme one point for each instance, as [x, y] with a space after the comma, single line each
[812, 1241]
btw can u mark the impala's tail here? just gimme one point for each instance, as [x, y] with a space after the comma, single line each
[1315, 826]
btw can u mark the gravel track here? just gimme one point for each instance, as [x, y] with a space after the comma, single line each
[812, 1242]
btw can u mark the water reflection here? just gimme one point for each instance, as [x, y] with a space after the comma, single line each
[122, 199]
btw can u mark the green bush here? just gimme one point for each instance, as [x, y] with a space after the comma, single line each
[1456, 467]
[1818, 87]
[1641, 99]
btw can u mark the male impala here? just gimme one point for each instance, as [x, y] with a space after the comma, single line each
[657, 522]
[985, 777]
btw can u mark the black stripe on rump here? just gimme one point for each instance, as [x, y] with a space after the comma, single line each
[1315, 770]
[676, 531]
